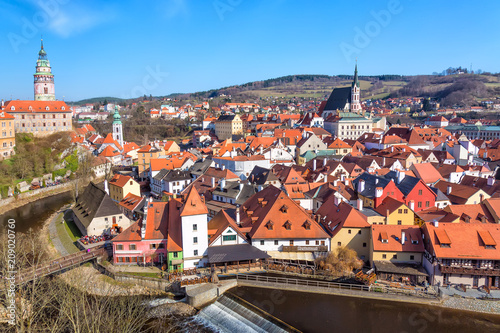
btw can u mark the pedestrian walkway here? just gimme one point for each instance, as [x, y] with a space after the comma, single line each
[470, 292]
[54, 237]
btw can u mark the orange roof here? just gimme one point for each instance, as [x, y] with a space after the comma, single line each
[427, 172]
[129, 146]
[389, 204]
[338, 144]
[193, 205]
[130, 201]
[109, 152]
[5, 115]
[36, 106]
[465, 241]
[334, 218]
[271, 214]
[220, 222]
[120, 180]
[393, 234]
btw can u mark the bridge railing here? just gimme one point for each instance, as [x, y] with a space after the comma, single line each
[335, 285]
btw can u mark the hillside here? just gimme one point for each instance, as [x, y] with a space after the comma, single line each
[460, 89]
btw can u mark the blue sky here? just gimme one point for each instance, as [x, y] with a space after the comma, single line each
[127, 48]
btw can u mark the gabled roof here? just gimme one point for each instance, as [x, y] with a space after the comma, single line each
[120, 180]
[338, 99]
[193, 205]
[131, 202]
[389, 205]
[459, 193]
[36, 106]
[220, 222]
[268, 212]
[94, 202]
[334, 218]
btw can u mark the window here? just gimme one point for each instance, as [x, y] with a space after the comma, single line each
[132, 247]
[261, 242]
[400, 211]
[195, 252]
[412, 257]
[406, 211]
[291, 242]
[427, 204]
[384, 256]
[317, 242]
[195, 227]
[395, 256]
[419, 192]
[152, 246]
[349, 231]
[307, 242]
[175, 254]
[276, 242]
[400, 222]
[419, 204]
[359, 232]
[195, 240]
[120, 259]
[364, 244]
[161, 245]
[229, 238]
[339, 243]
[119, 246]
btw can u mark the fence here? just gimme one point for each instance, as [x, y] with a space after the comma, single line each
[334, 285]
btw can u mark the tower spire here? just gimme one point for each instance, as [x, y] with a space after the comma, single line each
[356, 81]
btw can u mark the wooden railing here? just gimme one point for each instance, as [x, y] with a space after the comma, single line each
[409, 291]
[306, 248]
[469, 270]
[58, 264]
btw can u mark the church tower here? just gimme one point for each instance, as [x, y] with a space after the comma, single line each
[355, 93]
[44, 79]
[117, 127]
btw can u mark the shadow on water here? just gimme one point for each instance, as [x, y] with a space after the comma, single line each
[33, 214]
[329, 313]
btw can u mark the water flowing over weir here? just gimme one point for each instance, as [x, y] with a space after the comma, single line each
[228, 315]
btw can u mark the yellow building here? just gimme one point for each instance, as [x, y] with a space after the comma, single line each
[396, 212]
[228, 125]
[144, 156]
[120, 186]
[8, 135]
[396, 243]
[346, 225]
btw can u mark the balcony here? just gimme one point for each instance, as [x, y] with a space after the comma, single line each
[319, 248]
[469, 270]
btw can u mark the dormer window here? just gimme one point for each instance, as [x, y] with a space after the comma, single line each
[284, 209]
[269, 225]
[288, 225]
[12, 108]
[47, 108]
[384, 238]
[62, 108]
[307, 225]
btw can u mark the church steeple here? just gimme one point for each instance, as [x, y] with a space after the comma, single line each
[44, 79]
[355, 81]
[117, 127]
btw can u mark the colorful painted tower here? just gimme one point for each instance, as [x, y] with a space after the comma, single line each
[355, 92]
[117, 127]
[44, 79]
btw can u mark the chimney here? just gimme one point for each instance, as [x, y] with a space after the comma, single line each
[448, 190]
[314, 165]
[436, 223]
[224, 166]
[383, 162]
[106, 188]
[403, 238]
[213, 182]
[412, 205]
[238, 215]
[392, 149]
[336, 200]
[261, 150]
[378, 192]
[400, 175]
[491, 181]
[202, 198]
[259, 188]
[241, 186]
[359, 204]
[361, 185]
[222, 183]
[335, 182]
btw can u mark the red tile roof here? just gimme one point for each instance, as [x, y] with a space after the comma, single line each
[393, 233]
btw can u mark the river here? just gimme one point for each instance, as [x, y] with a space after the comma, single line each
[331, 313]
[33, 214]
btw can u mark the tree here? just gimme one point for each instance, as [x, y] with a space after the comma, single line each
[341, 261]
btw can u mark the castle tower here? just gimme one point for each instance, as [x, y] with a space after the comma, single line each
[117, 127]
[44, 79]
[355, 93]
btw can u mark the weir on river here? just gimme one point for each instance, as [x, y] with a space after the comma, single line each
[228, 315]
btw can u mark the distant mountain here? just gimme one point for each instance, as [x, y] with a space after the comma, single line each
[100, 100]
